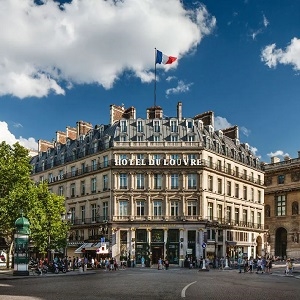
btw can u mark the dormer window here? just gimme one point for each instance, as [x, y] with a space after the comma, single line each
[210, 129]
[81, 138]
[156, 126]
[173, 126]
[189, 124]
[140, 127]
[123, 125]
[58, 147]
[48, 151]
[68, 142]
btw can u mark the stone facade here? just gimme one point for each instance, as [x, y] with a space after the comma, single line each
[282, 194]
[158, 187]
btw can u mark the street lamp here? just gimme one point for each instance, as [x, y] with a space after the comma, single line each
[66, 218]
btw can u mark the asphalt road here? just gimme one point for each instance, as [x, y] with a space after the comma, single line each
[145, 283]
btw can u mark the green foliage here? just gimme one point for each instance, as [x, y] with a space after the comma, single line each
[19, 193]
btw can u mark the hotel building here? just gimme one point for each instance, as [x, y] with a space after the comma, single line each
[156, 187]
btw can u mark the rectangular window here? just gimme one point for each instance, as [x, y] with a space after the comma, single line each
[105, 182]
[123, 180]
[95, 147]
[192, 181]
[72, 190]
[72, 209]
[123, 126]
[140, 208]
[259, 196]
[252, 218]
[259, 220]
[174, 208]
[82, 212]
[157, 208]
[192, 208]
[245, 192]
[173, 126]
[123, 208]
[73, 171]
[280, 179]
[105, 161]
[174, 181]
[189, 124]
[140, 127]
[237, 190]
[94, 212]
[156, 126]
[245, 216]
[82, 187]
[174, 138]
[140, 156]
[210, 183]
[105, 211]
[94, 165]
[210, 212]
[156, 138]
[210, 162]
[228, 188]
[228, 214]
[192, 156]
[61, 190]
[228, 168]
[157, 181]
[140, 138]
[93, 185]
[219, 212]
[174, 156]
[191, 138]
[237, 215]
[280, 205]
[140, 181]
[252, 194]
[219, 186]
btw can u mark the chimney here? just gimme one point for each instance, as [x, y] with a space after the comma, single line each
[116, 113]
[207, 118]
[154, 112]
[71, 133]
[44, 145]
[61, 137]
[179, 111]
[83, 128]
[275, 160]
[232, 132]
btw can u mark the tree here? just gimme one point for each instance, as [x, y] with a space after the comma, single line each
[19, 193]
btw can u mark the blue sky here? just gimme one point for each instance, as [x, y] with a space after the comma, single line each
[238, 58]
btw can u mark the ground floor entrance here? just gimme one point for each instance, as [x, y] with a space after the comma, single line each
[157, 253]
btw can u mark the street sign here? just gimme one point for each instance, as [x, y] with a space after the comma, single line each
[203, 245]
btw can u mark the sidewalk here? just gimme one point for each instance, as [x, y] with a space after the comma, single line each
[7, 274]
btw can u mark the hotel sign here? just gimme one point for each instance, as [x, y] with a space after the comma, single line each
[158, 162]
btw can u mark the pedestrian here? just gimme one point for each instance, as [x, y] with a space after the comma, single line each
[289, 267]
[159, 264]
[240, 264]
[166, 263]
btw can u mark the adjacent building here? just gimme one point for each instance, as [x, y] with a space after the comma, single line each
[156, 187]
[282, 194]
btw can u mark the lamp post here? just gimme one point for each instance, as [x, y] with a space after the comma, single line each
[66, 218]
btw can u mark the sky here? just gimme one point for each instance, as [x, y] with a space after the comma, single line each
[66, 61]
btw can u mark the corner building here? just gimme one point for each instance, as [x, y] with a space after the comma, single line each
[156, 187]
[282, 206]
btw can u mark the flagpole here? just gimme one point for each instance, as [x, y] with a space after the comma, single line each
[155, 77]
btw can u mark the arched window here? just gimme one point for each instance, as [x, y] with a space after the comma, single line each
[267, 211]
[295, 208]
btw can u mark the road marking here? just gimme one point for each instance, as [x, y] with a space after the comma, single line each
[185, 288]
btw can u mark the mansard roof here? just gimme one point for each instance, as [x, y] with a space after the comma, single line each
[174, 129]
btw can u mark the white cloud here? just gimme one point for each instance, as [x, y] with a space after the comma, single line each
[245, 131]
[221, 123]
[278, 153]
[290, 56]
[46, 49]
[169, 78]
[180, 88]
[265, 21]
[9, 138]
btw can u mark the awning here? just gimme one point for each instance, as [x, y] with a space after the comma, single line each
[92, 246]
[83, 246]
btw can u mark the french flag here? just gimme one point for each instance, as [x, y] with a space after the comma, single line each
[164, 59]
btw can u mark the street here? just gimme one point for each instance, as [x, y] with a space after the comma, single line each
[146, 283]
